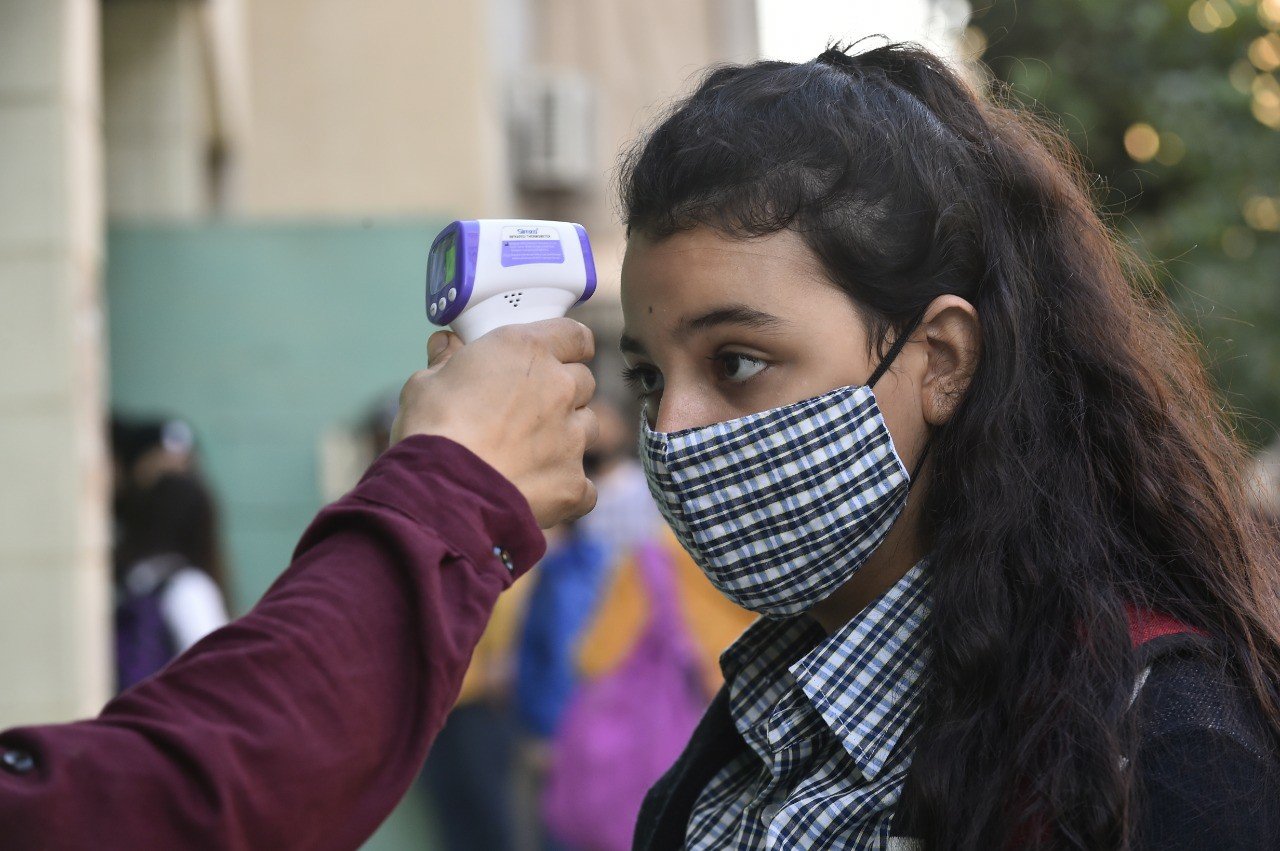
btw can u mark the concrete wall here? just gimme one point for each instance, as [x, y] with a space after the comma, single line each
[389, 107]
[157, 110]
[263, 336]
[378, 108]
[639, 57]
[53, 638]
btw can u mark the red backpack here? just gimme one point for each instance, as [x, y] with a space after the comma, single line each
[1145, 625]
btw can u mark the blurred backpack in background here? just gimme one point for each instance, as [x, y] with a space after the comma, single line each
[566, 593]
[144, 643]
[621, 732]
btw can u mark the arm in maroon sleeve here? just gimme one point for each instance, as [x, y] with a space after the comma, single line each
[301, 724]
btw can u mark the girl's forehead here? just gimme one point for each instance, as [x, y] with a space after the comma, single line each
[703, 263]
[678, 288]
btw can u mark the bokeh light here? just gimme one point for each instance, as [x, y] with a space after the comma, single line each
[1269, 14]
[1238, 243]
[1264, 52]
[1266, 100]
[1210, 15]
[1262, 212]
[1141, 142]
[1241, 76]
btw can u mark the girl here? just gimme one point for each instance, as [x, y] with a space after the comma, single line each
[911, 400]
[171, 589]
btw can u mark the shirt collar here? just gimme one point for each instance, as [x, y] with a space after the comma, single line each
[865, 680]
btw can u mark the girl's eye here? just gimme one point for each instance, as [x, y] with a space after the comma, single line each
[738, 367]
[645, 380]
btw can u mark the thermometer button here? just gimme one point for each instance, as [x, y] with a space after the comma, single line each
[453, 293]
[440, 304]
[432, 310]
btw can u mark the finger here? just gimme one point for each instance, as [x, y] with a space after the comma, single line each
[584, 384]
[568, 340]
[441, 346]
[586, 502]
[410, 388]
[397, 428]
[590, 426]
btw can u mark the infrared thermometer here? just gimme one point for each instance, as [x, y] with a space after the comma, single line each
[486, 273]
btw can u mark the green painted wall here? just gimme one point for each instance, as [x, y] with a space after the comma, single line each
[262, 335]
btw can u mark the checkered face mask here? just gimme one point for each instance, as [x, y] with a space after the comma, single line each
[782, 507]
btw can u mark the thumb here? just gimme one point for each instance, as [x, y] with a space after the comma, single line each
[441, 346]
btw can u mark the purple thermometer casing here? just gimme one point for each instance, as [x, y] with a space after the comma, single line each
[467, 248]
[589, 260]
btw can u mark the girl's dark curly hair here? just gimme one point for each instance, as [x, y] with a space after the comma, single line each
[1089, 465]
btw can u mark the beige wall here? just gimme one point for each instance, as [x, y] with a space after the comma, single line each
[53, 580]
[372, 108]
[639, 56]
[156, 109]
[386, 107]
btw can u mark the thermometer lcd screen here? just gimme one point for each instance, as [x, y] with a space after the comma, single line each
[450, 261]
[443, 263]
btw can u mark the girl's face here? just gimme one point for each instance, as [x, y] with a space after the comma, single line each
[718, 328]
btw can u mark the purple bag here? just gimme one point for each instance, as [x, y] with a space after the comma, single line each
[144, 644]
[623, 731]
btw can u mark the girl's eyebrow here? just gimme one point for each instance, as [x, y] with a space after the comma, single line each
[734, 314]
[632, 345]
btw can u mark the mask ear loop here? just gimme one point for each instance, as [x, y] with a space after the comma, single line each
[924, 454]
[895, 349]
[880, 370]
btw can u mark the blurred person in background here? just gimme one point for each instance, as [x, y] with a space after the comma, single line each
[580, 560]
[560, 603]
[142, 450]
[605, 580]
[908, 399]
[171, 587]
[565, 593]
[624, 515]
[470, 772]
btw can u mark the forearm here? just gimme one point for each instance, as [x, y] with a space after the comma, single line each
[301, 724]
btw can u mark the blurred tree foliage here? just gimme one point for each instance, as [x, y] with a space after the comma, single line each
[1175, 107]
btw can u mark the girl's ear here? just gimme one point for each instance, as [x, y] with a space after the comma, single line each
[954, 341]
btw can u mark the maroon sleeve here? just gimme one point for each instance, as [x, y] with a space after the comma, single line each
[301, 724]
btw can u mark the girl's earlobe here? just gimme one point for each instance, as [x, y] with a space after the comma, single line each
[952, 335]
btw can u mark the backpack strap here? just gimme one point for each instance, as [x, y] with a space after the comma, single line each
[657, 571]
[1146, 625]
[1147, 628]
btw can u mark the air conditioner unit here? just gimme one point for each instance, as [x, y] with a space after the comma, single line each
[553, 131]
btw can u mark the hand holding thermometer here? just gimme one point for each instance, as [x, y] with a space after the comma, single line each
[486, 273]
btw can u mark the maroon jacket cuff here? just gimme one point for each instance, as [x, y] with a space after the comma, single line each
[472, 507]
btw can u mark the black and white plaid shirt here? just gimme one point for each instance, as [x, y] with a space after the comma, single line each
[826, 719]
